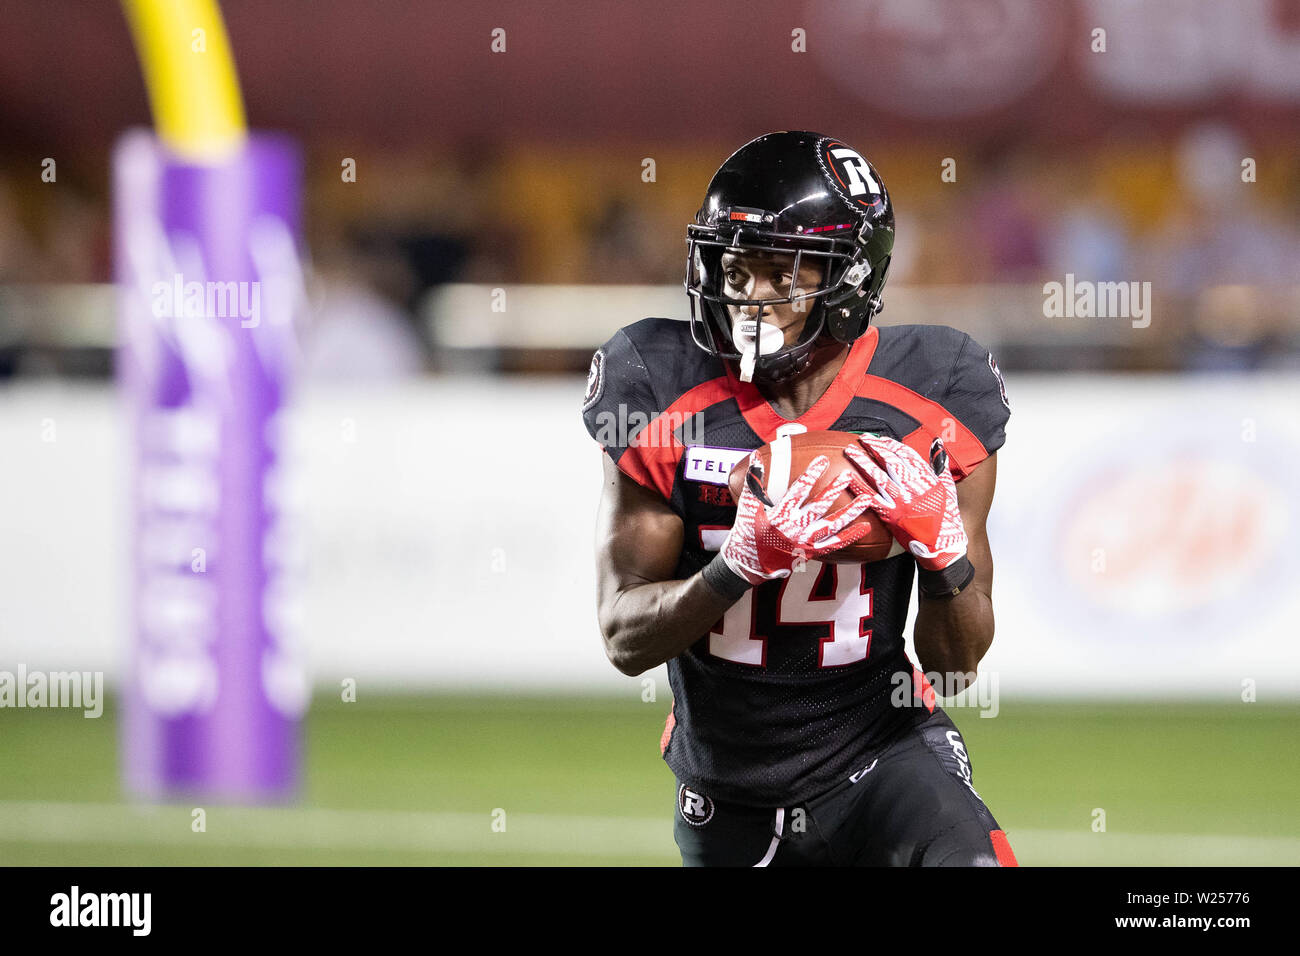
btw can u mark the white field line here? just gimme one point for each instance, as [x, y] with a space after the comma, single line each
[549, 835]
[317, 829]
[1082, 847]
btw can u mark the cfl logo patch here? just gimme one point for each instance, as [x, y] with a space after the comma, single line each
[695, 808]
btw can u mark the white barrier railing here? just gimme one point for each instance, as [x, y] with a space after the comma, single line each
[1144, 531]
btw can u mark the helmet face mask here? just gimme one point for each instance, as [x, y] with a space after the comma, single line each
[719, 308]
[784, 197]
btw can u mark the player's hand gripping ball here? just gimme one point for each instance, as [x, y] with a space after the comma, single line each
[916, 498]
[770, 538]
[776, 466]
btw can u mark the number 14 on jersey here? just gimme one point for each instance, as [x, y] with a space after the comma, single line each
[846, 611]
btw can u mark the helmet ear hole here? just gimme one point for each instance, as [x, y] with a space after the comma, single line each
[846, 325]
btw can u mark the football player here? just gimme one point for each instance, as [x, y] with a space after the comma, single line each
[800, 731]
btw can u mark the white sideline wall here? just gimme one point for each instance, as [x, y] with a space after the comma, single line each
[1145, 531]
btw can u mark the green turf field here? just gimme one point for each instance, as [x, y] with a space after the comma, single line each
[416, 780]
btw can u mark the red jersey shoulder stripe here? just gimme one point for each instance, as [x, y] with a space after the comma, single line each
[651, 457]
[965, 450]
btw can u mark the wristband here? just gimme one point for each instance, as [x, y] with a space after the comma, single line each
[947, 583]
[718, 575]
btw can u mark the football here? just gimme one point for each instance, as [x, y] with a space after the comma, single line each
[783, 460]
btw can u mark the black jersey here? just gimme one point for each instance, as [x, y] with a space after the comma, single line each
[789, 691]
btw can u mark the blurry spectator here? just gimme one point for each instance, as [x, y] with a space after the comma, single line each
[1232, 329]
[357, 331]
[20, 259]
[1087, 238]
[622, 246]
[1219, 234]
[77, 246]
[1001, 225]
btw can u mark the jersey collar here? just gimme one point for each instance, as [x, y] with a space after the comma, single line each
[765, 420]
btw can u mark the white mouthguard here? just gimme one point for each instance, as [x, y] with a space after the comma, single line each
[770, 340]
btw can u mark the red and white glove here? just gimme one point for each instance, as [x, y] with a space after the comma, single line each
[769, 539]
[917, 505]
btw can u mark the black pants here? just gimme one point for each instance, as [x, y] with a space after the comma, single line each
[914, 805]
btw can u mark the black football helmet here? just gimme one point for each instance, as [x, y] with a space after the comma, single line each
[797, 194]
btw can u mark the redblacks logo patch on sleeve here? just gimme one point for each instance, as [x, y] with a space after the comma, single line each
[595, 380]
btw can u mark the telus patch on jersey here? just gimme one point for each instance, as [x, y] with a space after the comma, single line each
[712, 464]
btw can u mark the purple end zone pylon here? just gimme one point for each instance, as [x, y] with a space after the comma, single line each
[208, 282]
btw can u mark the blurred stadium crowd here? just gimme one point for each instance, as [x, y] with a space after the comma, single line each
[1111, 158]
[1222, 255]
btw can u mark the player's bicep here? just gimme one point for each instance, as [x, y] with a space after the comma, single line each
[638, 536]
[974, 499]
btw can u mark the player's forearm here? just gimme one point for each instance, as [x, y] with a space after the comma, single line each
[648, 624]
[953, 634]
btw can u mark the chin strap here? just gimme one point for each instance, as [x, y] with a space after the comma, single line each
[790, 367]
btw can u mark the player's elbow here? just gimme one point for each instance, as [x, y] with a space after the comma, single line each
[619, 651]
[617, 645]
[625, 663]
